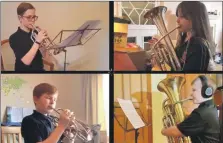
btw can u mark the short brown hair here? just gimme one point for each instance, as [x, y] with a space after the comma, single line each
[44, 88]
[23, 7]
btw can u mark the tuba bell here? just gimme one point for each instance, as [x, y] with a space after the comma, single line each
[76, 129]
[172, 108]
[163, 54]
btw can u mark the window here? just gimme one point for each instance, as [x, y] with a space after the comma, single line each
[131, 40]
[145, 42]
[134, 11]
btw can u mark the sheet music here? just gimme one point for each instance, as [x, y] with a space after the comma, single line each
[131, 113]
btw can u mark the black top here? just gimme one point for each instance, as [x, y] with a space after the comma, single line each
[21, 43]
[197, 55]
[202, 125]
[36, 127]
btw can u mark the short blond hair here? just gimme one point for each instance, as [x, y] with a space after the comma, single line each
[210, 82]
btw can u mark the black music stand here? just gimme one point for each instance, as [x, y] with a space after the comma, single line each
[78, 37]
[133, 129]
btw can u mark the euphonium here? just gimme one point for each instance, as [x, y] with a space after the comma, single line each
[172, 108]
[75, 129]
[47, 44]
[162, 55]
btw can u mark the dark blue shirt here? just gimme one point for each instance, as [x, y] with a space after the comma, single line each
[36, 127]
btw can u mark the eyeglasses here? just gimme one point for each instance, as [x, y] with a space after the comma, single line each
[31, 18]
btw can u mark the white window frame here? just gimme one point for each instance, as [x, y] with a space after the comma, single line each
[141, 31]
[135, 30]
[133, 37]
[145, 42]
[120, 8]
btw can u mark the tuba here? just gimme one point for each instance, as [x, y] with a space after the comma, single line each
[47, 44]
[163, 54]
[172, 108]
[76, 129]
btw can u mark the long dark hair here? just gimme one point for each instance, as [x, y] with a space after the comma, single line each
[197, 13]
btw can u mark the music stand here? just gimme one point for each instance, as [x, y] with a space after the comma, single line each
[78, 37]
[132, 129]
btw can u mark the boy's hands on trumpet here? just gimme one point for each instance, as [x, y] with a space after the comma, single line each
[65, 118]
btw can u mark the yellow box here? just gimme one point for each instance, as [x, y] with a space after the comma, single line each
[120, 35]
[120, 28]
[120, 40]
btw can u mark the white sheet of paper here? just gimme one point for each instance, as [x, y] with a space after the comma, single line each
[131, 113]
[16, 114]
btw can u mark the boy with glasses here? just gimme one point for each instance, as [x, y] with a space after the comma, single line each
[27, 53]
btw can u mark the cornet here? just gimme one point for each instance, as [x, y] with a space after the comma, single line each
[47, 44]
[75, 128]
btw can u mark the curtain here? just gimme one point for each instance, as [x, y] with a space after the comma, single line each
[94, 90]
[93, 99]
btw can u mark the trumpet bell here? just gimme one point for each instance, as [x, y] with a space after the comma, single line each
[159, 10]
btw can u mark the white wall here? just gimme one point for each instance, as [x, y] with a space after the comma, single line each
[57, 16]
[69, 86]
